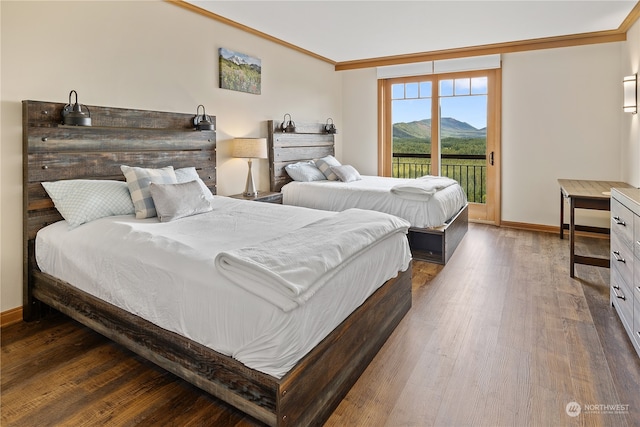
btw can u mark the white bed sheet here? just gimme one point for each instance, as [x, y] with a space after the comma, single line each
[374, 193]
[165, 273]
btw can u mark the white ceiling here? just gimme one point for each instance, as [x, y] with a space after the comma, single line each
[365, 29]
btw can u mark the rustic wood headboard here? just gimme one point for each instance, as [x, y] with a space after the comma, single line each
[53, 151]
[309, 141]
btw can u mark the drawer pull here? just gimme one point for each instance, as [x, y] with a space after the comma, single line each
[622, 297]
[618, 258]
[615, 286]
[619, 221]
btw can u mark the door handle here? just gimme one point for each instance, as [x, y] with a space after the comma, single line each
[491, 158]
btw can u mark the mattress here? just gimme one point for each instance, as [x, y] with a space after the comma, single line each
[373, 192]
[166, 274]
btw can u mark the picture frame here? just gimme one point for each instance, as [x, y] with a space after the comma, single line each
[240, 72]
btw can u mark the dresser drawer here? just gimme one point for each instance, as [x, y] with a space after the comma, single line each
[622, 223]
[636, 238]
[636, 275]
[622, 298]
[636, 324]
[622, 258]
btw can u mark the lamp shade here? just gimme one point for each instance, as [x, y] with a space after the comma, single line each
[253, 148]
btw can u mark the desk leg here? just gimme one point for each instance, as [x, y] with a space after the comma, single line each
[561, 215]
[572, 229]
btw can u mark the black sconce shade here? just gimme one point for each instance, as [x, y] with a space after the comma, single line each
[288, 126]
[73, 115]
[330, 127]
[203, 122]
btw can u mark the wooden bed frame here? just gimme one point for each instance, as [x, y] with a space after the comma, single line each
[308, 394]
[311, 141]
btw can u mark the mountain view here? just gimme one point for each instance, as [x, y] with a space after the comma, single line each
[449, 128]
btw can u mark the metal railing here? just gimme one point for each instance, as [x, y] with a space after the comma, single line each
[469, 170]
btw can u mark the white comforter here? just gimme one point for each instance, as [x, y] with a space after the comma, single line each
[273, 269]
[374, 193]
[166, 274]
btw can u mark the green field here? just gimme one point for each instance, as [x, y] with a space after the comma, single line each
[243, 78]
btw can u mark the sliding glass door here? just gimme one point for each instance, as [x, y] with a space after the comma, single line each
[445, 125]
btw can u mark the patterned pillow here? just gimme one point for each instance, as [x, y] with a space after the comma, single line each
[138, 180]
[305, 172]
[190, 174]
[174, 201]
[346, 173]
[325, 163]
[84, 200]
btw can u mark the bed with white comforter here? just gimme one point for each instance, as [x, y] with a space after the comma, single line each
[422, 206]
[183, 275]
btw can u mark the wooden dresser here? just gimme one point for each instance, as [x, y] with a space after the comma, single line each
[625, 259]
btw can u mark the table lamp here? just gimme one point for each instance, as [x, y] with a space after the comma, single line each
[250, 148]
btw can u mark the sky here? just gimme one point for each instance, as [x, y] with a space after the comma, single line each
[469, 109]
[412, 100]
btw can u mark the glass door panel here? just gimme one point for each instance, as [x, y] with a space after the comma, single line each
[411, 106]
[463, 134]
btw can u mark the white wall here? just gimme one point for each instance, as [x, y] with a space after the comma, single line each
[360, 116]
[561, 113]
[143, 55]
[630, 64]
[561, 118]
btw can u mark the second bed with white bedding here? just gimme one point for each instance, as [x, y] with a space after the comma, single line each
[374, 192]
[166, 274]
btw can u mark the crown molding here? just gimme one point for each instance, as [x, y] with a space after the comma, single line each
[610, 36]
[247, 29]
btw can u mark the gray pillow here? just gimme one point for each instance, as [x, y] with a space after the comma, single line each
[325, 163]
[305, 172]
[346, 173]
[175, 201]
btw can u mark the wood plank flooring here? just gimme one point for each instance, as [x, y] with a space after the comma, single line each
[500, 336]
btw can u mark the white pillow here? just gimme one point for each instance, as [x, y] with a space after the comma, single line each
[138, 180]
[84, 200]
[325, 163]
[305, 172]
[173, 201]
[190, 174]
[346, 173]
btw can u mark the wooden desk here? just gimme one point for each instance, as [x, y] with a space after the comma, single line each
[585, 195]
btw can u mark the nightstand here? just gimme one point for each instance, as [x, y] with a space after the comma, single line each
[263, 196]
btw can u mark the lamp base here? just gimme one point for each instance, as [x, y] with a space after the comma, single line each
[250, 187]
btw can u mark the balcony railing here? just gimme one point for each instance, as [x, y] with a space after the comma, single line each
[468, 169]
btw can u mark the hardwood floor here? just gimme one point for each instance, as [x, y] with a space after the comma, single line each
[500, 336]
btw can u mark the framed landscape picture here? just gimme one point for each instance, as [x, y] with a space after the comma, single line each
[239, 71]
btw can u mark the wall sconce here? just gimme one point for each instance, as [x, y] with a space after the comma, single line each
[250, 148]
[203, 122]
[630, 97]
[73, 115]
[288, 126]
[330, 127]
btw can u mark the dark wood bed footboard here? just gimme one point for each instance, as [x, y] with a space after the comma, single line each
[306, 396]
[437, 245]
